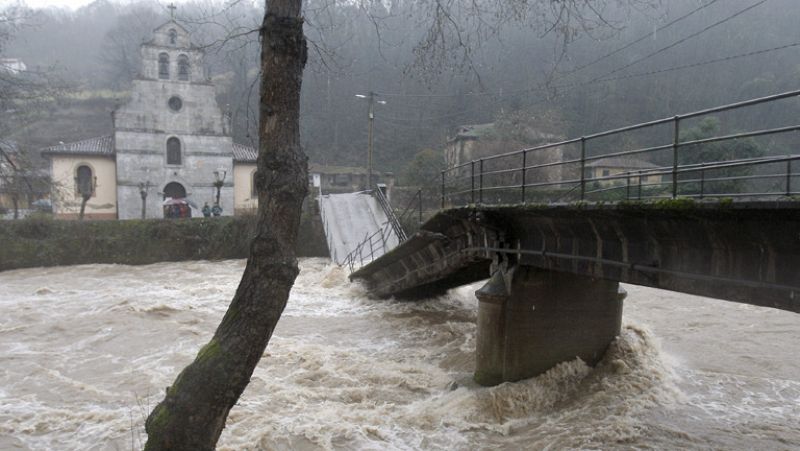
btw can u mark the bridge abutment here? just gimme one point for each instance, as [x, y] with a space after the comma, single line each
[530, 320]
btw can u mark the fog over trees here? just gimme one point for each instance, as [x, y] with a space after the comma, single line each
[631, 61]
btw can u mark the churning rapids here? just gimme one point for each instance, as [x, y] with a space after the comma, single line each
[86, 351]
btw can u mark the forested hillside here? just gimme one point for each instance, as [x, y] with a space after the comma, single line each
[635, 64]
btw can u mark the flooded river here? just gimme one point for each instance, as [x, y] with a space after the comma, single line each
[86, 351]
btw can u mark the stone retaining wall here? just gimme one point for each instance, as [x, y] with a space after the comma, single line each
[46, 242]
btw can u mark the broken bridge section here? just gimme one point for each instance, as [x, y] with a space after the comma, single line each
[350, 218]
[553, 293]
[747, 252]
[537, 221]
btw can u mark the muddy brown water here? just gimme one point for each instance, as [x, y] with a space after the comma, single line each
[86, 351]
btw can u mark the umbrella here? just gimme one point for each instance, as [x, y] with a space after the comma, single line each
[176, 201]
[179, 201]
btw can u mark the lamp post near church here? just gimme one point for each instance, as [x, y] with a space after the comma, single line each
[371, 118]
[143, 187]
[219, 181]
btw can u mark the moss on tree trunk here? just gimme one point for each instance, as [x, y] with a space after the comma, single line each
[194, 410]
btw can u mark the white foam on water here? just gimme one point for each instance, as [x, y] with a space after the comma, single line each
[86, 352]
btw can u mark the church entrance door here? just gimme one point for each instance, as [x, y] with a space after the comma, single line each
[174, 190]
[175, 203]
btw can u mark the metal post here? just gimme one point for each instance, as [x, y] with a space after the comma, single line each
[583, 167]
[480, 186]
[675, 145]
[143, 187]
[420, 205]
[369, 149]
[702, 180]
[442, 190]
[524, 164]
[372, 249]
[472, 181]
[361, 247]
[640, 185]
[628, 187]
[383, 241]
[788, 177]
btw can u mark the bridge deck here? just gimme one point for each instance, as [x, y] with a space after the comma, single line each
[348, 218]
[746, 252]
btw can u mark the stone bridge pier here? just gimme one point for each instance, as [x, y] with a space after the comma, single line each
[531, 319]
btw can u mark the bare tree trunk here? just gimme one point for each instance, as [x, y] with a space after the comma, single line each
[15, 201]
[194, 411]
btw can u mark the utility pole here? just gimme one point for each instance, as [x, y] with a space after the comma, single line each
[371, 118]
[371, 138]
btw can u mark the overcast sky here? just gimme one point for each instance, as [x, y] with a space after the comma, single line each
[69, 4]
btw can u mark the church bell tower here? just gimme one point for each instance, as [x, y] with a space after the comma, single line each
[171, 135]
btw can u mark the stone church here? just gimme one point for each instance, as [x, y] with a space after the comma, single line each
[170, 144]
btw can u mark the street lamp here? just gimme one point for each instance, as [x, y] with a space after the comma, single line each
[143, 187]
[371, 96]
[219, 181]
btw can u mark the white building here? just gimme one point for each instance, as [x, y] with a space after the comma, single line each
[13, 65]
[170, 141]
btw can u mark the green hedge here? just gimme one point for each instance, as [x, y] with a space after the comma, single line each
[47, 242]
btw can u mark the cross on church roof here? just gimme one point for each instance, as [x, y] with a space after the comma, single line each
[172, 9]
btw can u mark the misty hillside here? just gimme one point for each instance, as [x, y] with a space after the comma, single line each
[641, 63]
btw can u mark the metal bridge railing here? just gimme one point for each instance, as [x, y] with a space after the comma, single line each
[377, 243]
[387, 209]
[369, 249]
[549, 173]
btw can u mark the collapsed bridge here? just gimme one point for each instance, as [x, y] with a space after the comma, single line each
[556, 248]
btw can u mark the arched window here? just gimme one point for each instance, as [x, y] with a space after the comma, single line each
[173, 36]
[163, 66]
[183, 68]
[84, 181]
[253, 188]
[173, 151]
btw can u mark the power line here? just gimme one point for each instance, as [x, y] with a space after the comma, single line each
[640, 39]
[684, 39]
[428, 118]
[619, 77]
[574, 70]
[605, 78]
[703, 63]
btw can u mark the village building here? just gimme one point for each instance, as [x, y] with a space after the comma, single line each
[170, 144]
[346, 179]
[12, 65]
[473, 142]
[629, 170]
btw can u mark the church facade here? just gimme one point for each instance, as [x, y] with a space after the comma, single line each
[170, 144]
